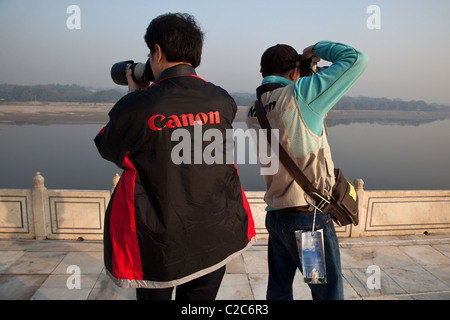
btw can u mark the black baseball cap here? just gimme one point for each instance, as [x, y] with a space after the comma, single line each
[279, 59]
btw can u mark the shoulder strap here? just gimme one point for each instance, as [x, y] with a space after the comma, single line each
[286, 160]
[266, 88]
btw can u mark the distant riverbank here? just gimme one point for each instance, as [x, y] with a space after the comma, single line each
[67, 113]
[55, 112]
[394, 116]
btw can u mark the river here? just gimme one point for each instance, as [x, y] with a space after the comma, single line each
[386, 156]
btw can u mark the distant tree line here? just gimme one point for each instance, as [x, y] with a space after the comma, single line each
[57, 93]
[76, 93]
[363, 103]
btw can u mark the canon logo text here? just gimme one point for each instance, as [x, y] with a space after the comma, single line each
[159, 122]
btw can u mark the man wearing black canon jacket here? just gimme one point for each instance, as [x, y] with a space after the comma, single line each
[171, 225]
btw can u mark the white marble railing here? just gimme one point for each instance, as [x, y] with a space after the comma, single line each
[41, 213]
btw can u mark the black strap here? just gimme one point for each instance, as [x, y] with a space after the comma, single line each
[286, 160]
[266, 88]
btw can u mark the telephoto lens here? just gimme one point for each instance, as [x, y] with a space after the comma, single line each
[141, 72]
[119, 71]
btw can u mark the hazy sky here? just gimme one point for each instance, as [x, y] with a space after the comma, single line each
[409, 55]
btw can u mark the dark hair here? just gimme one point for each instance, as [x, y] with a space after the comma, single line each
[179, 37]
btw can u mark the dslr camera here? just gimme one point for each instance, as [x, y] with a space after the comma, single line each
[309, 66]
[141, 72]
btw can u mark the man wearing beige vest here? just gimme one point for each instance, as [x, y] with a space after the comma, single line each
[296, 106]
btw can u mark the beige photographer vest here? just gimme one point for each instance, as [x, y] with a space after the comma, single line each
[310, 152]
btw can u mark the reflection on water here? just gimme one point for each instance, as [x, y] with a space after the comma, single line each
[409, 119]
[386, 157]
[394, 157]
[64, 154]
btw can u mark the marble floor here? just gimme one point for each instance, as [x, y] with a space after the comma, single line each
[412, 267]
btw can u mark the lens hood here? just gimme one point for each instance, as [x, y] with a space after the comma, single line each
[119, 71]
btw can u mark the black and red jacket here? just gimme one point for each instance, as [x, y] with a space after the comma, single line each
[169, 223]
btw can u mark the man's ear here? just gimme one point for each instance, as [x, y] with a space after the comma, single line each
[159, 53]
[294, 74]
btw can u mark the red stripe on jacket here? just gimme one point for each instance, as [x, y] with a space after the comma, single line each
[126, 258]
[251, 232]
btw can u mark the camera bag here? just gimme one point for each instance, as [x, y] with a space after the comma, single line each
[343, 203]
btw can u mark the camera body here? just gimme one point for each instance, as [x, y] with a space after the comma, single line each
[141, 72]
[309, 66]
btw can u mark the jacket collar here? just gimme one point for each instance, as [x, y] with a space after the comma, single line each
[271, 83]
[176, 71]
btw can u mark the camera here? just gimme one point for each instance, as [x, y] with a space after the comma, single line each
[141, 72]
[309, 66]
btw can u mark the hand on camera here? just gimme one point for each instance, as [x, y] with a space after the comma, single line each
[308, 52]
[133, 86]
